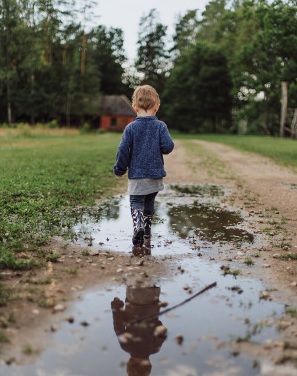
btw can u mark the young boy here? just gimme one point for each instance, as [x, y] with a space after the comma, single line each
[141, 150]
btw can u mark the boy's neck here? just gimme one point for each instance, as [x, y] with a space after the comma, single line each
[141, 112]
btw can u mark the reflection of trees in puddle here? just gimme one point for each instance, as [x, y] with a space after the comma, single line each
[107, 211]
[111, 210]
[140, 338]
[199, 190]
[211, 223]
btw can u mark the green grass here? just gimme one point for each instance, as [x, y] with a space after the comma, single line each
[4, 295]
[291, 311]
[27, 349]
[248, 261]
[3, 338]
[288, 257]
[281, 150]
[44, 179]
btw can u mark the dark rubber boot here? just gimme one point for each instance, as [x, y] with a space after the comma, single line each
[138, 225]
[147, 230]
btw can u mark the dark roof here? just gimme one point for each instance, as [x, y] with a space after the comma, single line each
[116, 105]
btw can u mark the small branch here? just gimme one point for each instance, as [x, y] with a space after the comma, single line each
[151, 317]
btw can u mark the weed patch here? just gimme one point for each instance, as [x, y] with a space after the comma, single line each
[292, 312]
[288, 257]
[228, 271]
[4, 295]
[249, 262]
[3, 338]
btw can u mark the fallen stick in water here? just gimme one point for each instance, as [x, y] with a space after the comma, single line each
[151, 317]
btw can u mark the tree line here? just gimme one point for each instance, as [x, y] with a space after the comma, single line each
[221, 70]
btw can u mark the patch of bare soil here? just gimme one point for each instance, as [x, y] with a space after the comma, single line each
[264, 190]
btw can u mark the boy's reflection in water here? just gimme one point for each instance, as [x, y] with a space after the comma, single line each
[139, 338]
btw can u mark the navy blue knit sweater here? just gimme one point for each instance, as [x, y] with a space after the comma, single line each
[141, 150]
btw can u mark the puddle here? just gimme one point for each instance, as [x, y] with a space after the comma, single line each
[178, 216]
[185, 341]
[210, 223]
[192, 335]
[292, 186]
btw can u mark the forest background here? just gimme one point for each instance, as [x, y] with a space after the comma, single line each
[220, 71]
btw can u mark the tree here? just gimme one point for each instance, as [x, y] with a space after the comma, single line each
[50, 68]
[256, 37]
[211, 18]
[152, 55]
[11, 29]
[109, 58]
[266, 61]
[186, 30]
[197, 95]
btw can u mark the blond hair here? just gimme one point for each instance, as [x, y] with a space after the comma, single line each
[145, 97]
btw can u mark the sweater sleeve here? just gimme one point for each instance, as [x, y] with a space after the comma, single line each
[166, 142]
[123, 153]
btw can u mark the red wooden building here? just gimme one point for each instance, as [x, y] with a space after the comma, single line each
[116, 112]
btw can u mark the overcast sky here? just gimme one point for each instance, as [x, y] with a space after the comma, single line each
[126, 14]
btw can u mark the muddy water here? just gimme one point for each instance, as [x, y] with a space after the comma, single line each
[106, 336]
[181, 214]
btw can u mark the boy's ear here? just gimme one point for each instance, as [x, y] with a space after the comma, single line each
[135, 108]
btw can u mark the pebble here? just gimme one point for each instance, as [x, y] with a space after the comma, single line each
[179, 339]
[265, 295]
[54, 328]
[284, 324]
[270, 344]
[93, 253]
[160, 331]
[125, 337]
[293, 284]
[266, 266]
[70, 319]
[9, 361]
[59, 308]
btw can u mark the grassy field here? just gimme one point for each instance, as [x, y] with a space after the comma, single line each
[46, 179]
[281, 150]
